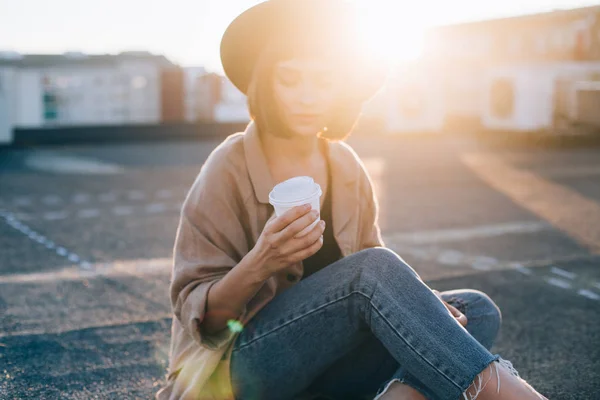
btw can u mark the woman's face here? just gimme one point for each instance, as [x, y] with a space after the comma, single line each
[305, 91]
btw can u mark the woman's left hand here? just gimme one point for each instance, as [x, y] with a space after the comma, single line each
[460, 317]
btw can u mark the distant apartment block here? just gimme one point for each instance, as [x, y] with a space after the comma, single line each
[79, 89]
[463, 54]
[75, 89]
[210, 97]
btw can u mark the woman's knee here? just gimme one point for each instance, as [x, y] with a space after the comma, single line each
[476, 305]
[485, 306]
[382, 263]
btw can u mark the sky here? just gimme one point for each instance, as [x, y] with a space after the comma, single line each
[188, 32]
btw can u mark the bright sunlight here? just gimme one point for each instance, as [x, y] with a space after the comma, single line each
[390, 32]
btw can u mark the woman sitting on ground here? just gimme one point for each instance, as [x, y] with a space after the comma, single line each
[262, 313]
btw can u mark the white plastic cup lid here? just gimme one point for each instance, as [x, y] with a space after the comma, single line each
[294, 189]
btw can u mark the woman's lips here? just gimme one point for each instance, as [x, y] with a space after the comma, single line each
[305, 118]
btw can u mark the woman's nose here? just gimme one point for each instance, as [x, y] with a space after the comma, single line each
[308, 94]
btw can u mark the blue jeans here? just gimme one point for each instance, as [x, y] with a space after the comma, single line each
[352, 328]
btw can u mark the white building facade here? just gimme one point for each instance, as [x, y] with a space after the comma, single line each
[233, 104]
[6, 123]
[77, 89]
[212, 97]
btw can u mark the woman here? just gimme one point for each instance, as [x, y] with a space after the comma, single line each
[261, 313]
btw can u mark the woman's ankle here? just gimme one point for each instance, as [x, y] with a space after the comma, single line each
[500, 380]
[400, 391]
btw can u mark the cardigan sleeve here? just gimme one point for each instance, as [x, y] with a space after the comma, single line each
[370, 233]
[210, 241]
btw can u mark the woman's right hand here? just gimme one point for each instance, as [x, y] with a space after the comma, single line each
[278, 247]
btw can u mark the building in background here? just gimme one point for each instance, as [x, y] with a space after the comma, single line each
[79, 89]
[415, 100]
[232, 105]
[210, 97]
[465, 53]
[196, 94]
[6, 126]
[485, 73]
[172, 95]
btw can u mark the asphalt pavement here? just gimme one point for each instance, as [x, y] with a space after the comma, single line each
[87, 231]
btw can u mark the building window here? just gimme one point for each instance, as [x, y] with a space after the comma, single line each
[502, 98]
[62, 82]
[139, 82]
[540, 44]
[76, 81]
[50, 106]
[561, 39]
[514, 45]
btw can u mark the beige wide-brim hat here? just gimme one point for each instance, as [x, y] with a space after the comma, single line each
[302, 23]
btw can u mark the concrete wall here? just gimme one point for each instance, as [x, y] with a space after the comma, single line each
[124, 133]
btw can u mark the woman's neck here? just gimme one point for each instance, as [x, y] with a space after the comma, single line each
[297, 149]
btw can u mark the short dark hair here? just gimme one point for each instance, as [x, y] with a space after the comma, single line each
[263, 108]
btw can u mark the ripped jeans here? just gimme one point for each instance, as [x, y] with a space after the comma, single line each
[352, 328]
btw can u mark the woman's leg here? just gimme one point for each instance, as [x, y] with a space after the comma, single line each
[483, 323]
[304, 330]
[370, 368]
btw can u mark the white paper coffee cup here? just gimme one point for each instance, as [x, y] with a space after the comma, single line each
[296, 192]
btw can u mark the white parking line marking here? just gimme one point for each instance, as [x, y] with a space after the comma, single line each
[572, 171]
[558, 282]
[483, 263]
[521, 268]
[136, 195]
[589, 294]
[80, 198]
[155, 208]
[159, 317]
[50, 161]
[122, 210]
[88, 213]
[55, 215]
[51, 200]
[524, 270]
[141, 267]
[22, 201]
[86, 265]
[463, 234]
[164, 194]
[12, 221]
[107, 197]
[450, 257]
[563, 273]
[557, 204]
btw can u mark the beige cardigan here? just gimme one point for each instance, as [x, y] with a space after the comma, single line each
[221, 219]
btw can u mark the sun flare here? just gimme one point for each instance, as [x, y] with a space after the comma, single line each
[391, 32]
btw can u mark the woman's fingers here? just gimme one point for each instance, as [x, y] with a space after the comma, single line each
[309, 251]
[288, 217]
[298, 226]
[296, 245]
[460, 317]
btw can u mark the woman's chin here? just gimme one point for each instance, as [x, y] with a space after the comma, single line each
[306, 131]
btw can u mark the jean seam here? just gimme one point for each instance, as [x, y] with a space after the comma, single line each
[415, 350]
[481, 316]
[335, 301]
[299, 317]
